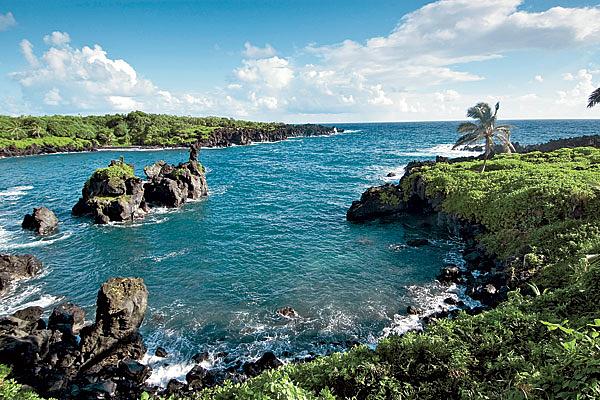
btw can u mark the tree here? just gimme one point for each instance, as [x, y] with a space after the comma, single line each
[485, 129]
[15, 129]
[594, 98]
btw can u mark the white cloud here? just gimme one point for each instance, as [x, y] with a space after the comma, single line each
[7, 21]
[251, 51]
[568, 76]
[52, 97]
[577, 96]
[57, 38]
[273, 72]
[539, 78]
[27, 51]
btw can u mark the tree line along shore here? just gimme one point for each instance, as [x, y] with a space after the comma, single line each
[28, 135]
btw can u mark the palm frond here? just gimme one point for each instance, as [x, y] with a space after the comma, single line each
[467, 127]
[469, 138]
[594, 98]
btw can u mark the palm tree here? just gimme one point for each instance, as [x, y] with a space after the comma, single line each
[594, 98]
[15, 128]
[486, 129]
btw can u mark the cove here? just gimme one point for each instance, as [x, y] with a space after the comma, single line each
[272, 233]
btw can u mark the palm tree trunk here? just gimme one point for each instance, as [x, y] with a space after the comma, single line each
[488, 150]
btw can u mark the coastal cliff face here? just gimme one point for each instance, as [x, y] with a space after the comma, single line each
[220, 137]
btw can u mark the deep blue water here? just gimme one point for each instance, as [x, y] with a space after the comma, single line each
[272, 233]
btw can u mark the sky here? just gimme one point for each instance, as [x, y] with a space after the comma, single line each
[300, 61]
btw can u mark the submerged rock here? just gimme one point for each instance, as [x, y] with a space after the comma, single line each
[417, 242]
[161, 352]
[113, 193]
[42, 221]
[13, 268]
[288, 312]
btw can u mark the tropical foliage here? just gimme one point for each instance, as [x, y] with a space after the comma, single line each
[594, 98]
[484, 130]
[135, 128]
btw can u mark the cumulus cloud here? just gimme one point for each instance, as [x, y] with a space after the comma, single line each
[57, 38]
[251, 51]
[68, 79]
[7, 21]
[416, 71]
[577, 95]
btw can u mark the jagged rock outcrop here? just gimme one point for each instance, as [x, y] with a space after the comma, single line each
[13, 268]
[224, 137]
[42, 221]
[377, 202]
[112, 194]
[171, 186]
[100, 363]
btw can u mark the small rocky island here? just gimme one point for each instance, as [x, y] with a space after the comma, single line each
[115, 194]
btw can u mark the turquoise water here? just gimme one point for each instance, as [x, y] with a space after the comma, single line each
[272, 233]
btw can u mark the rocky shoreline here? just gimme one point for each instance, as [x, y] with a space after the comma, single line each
[222, 137]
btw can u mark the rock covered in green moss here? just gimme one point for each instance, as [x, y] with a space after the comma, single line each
[113, 193]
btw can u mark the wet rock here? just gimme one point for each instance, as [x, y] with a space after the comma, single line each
[417, 242]
[42, 221]
[174, 387]
[288, 312]
[450, 301]
[488, 294]
[412, 310]
[450, 274]
[391, 174]
[99, 390]
[200, 357]
[161, 352]
[13, 268]
[67, 318]
[112, 194]
[30, 314]
[199, 377]
[377, 202]
[171, 186]
[120, 310]
[267, 361]
[134, 371]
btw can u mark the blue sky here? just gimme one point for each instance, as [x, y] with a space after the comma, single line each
[300, 61]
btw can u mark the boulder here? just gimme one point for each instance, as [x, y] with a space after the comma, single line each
[111, 194]
[120, 310]
[134, 371]
[200, 357]
[67, 318]
[412, 310]
[450, 274]
[42, 221]
[161, 352]
[288, 312]
[267, 361]
[377, 202]
[13, 268]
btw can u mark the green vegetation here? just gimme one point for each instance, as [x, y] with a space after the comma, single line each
[542, 216]
[135, 128]
[594, 98]
[486, 130]
[9, 389]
